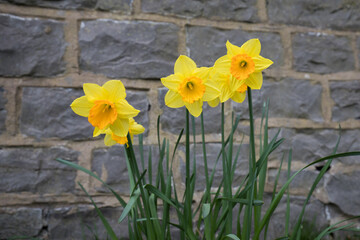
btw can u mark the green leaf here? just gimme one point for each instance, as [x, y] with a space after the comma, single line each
[134, 197]
[154, 190]
[205, 210]
[232, 236]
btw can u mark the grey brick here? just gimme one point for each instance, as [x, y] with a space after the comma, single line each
[20, 221]
[321, 14]
[31, 47]
[35, 170]
[112, 161]
[3, 111]
[173, 119]
[244, 10]
[82, 222]
[288, 98]
[346, 96]
[140, 101]
[320, 53]
[207, 44]
[122, 6]
[134, 49]
[46, 113]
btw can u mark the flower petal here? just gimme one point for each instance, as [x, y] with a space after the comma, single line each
[232, 49]
[195, 108]
[172, 82]
[255, 80]
[173, 99]
[202, 73]
[108, 141]
[251, 47]
[234, 83]
[223, 64]
[261, 63]
[214, 103]
[136, 128]
[125, 110]
[81, 106]
[184, 65]
[98, 131]
[115, 89]
[238, 97]
[226, 93]
[120, 127]
[94, 92]
[211, 92]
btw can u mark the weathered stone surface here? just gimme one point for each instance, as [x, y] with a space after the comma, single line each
[343, 191]
[46, 113]
[140, 101]
[207, 44]
[322, 53]
[289, 98]
[244, 10]
[35, 170]
[173, 119]
[134, 49]
[321, 14]
[346, 96]
[309, 145]
[212, 152]
[76, 222]
[2, 110]
[31, 47]
[123, 6]
[110, 165]
[20, 222]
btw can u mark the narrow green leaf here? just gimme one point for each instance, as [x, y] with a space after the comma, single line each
[205, 210]
[232, 236]
[154, 190]
[130, 205]
[326, 230]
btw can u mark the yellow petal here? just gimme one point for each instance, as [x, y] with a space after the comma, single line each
[120, 127]
[202, 73]
[214, 103]
[98, 131]
[125, 110]
[238, 97]
[81, 106]
[195, 108]
[115, 89]
[232, 49]
[136, 128]
[173, 99]
[226, 93]
[94, 92]
[255, 80]
[261, 63]
[108, 141]
[222, 64]
[251, 47]
[211, 92]
[234, 83]
[184, 65]
[172, 82]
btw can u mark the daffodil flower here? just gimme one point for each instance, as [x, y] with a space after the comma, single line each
[241, 68]
[105, 107]
[189, 86]
[112, 139]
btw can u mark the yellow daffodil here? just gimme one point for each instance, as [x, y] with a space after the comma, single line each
[111, 138]
[106, 107]
[189, 86]
[241, 68]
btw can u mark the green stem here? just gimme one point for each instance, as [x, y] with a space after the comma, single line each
[207, 195]
[188, 198]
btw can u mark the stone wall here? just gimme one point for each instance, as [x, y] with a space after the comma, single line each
[48, 49]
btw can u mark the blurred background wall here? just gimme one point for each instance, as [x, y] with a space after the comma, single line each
[48, 49]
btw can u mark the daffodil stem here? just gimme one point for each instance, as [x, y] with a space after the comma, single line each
[188, 198]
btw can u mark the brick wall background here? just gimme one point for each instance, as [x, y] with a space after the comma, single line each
[48, 49]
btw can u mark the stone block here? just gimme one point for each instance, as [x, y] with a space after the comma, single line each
[346, 96]
[322, 53]
[173, 119]
[20, 222]
[140, 101]
[320, 14]
[35, 170]
[133, 49]
[343, 191]
[46, 113]
[82, 222]
[214, 9]
[110, 165]
[309, 145]
[288, 98]
[31, 47]
[122, 6]
[206, 44]
[212, 152]
[3, 111]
